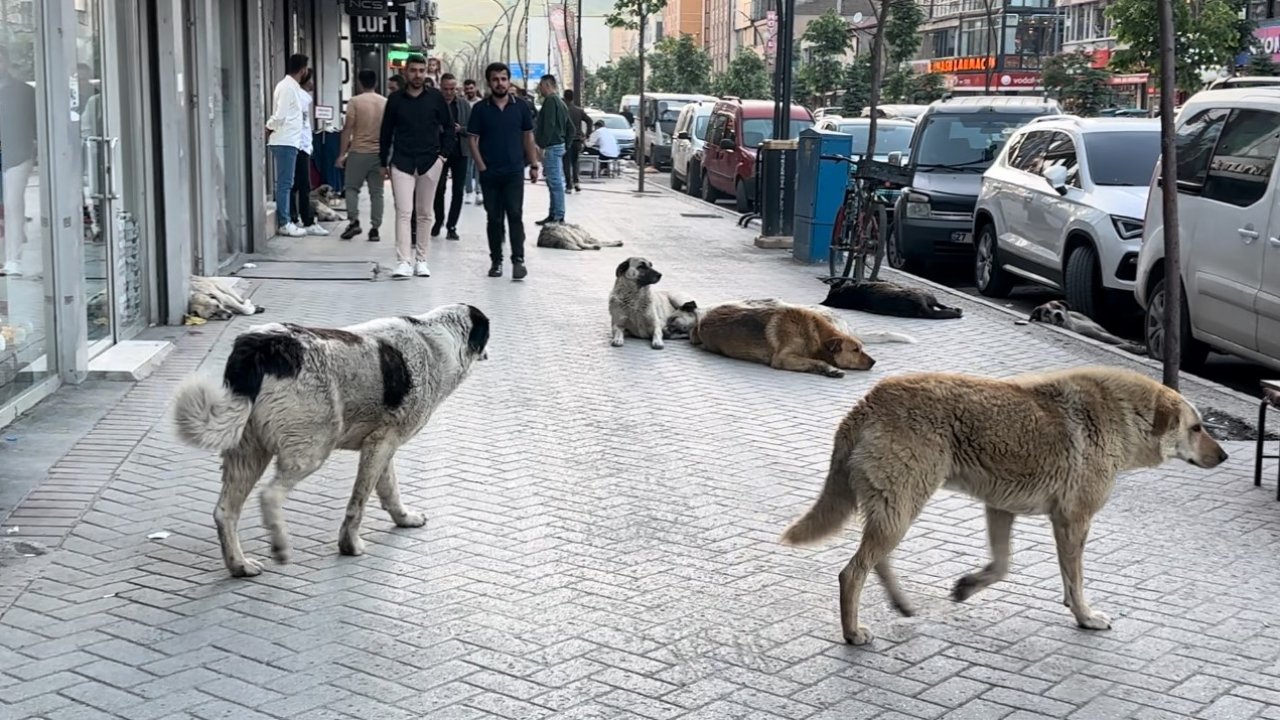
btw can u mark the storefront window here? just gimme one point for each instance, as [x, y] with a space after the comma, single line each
[1029, 39]
[26, 332]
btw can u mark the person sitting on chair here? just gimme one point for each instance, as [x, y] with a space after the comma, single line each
[603, 144]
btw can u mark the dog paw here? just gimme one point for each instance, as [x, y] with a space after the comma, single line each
[616, 342]
[245, 568]
[1096, 621]
[861, 636]
[656, 345]
[411, 520]
[834, 373]
[904, 608]
[965, 588]
[351, 544]
[281, 553]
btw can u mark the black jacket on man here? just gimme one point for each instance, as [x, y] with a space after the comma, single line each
[420, 128]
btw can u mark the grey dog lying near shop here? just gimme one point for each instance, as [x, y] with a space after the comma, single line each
[563, 236]
[210, 300]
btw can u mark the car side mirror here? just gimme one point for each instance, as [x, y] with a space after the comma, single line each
[895, 158]
[727, 144]
[1057, 177]
[683, 135]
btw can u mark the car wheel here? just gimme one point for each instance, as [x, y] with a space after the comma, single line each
[694, 184]
[990, 279]
[675, 180]
[709, 193]
[898, 257]
[1193, 352]
[740, 201]
[1083, 282]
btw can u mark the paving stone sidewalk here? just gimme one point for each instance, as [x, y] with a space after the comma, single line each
[602, 540]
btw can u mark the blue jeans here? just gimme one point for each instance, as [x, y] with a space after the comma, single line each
[285, 158]
[553, 165]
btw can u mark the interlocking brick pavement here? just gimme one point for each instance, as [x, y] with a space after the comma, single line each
[603, 528]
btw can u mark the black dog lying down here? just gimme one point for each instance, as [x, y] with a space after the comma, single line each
[886, 298]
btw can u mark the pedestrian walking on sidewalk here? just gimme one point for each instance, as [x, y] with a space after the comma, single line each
[581, 130]
[395, 84]
[285, 131]
[457, 164]
[417, 135]
[553, 131]
[501, 137]
[301, 211]
[358, 155]
[473, 177]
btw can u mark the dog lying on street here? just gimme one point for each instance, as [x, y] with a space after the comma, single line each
[780, 335]
[1058, 313]
[297, 394]
[563, 236]
[210, 300]
[886, 298]
[638, 310]
[1043, 444]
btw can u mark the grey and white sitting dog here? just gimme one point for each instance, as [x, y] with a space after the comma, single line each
[296, 394]
[1059, 314]
[638, 310]
[563, 236]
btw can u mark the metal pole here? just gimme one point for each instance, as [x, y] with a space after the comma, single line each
[640, 113]
[1169, 200]
[782, 70]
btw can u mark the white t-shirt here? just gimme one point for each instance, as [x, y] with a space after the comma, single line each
[605, 142]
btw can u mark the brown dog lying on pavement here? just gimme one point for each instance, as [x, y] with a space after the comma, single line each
[1042, 444]
[782, 336]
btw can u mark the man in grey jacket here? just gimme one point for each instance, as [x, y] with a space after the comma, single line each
[455, 171]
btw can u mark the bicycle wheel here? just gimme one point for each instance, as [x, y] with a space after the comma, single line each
[840, 237]
[881, 239]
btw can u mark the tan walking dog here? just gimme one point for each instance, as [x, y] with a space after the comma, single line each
[1043, 444]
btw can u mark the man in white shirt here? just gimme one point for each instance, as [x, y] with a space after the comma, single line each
[603, 143]
[287, 133]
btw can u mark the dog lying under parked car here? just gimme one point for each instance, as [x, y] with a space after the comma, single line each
[1059, 314]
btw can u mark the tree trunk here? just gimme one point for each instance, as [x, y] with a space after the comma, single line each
[1169, 196]
[877, 73]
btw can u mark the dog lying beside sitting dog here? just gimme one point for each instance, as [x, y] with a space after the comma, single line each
[886, 298]
[783, 336]
[563, 236]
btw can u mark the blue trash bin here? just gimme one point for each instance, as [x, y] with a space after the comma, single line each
[819, 192]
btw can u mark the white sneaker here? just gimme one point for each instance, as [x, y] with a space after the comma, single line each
[11, 268]
[479, 199]
[421, 269]
[315, 229]
[292, 230]
[402, 271]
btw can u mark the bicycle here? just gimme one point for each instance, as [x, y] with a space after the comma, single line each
[859, 233]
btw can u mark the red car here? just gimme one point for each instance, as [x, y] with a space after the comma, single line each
[737, 129]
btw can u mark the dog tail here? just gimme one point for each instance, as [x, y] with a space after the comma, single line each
[837, 501]
[885, 336]
[209, 416]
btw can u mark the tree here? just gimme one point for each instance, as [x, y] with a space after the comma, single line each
[1072, 78]
[857, 86]
[902, 30]
[1210, 33]
[607, 85]
[679, 65]
[634, 15]
[1261, 64]
[746, 77]
[827, 39]
[927, 87]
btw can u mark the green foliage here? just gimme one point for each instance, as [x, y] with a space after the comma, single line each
[827, 39]
[902, 30]
[606, 86]
[679, 65]
[928, 87]
[817, 78]
[1262, 64]
[904, 86]
[747, 77]
[626, 13]
[1082, 88]
[1210, 33]
[856, 84]
[828, 35]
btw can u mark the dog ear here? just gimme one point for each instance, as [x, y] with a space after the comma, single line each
[1167, 412]
[622, 267]
[478, 337]
[689, 306]
[834, 345]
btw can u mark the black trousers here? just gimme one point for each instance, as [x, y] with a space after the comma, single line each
[571, 154]
[300, 199]
[455, 172]
[504, 203]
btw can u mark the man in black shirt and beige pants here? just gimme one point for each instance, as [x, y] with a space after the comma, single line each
[417, 124]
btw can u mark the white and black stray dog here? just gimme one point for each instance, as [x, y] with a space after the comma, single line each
[297, 394]
[1058, 313]
[886, 298]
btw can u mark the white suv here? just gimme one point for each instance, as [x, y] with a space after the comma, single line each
[686, 148]
[1063, 206]
[1229, 220]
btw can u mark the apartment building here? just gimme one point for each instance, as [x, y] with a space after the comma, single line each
[684, 17]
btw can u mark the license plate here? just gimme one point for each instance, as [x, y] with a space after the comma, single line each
[961, 237]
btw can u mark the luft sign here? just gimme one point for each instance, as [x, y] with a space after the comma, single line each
[962, 64]
[373, 30]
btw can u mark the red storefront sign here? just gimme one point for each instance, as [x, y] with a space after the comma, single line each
[1130, 79]
[1099, 58]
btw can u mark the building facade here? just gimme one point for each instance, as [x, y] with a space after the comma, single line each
[685, 17]
[1086, 28]
[990, 46]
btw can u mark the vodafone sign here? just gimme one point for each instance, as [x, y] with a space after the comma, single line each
[1010, 81]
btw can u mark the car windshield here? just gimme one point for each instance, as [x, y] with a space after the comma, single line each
[615, 122]
[669, 110]
[757, 130]
[968, 143]
[1122, 158]
[700, 126]
[889, 138]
